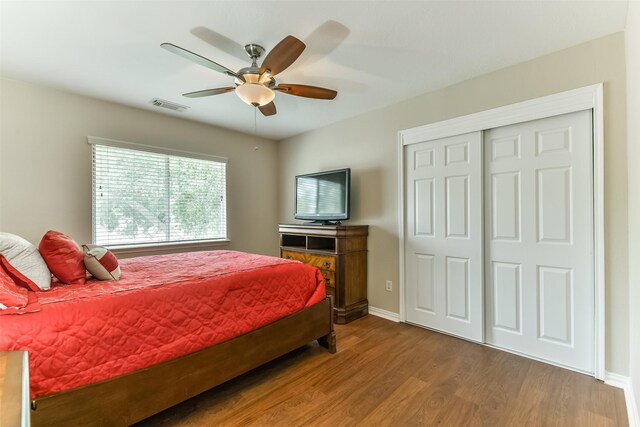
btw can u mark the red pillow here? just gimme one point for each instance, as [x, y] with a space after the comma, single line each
[63, 257]
[11, 295]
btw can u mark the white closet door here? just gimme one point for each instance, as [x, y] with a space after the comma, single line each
[443, 235]
[539, 285]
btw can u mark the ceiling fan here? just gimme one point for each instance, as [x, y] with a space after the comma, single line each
[257, 85]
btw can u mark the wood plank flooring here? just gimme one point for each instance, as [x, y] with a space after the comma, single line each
[390, 374]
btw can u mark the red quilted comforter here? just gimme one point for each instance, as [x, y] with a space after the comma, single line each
[162, 307]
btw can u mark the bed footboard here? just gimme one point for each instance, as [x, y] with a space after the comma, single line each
[132, 397]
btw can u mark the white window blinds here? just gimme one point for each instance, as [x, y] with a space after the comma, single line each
[142, 197]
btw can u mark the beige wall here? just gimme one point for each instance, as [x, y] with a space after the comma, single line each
[45, 163]
[632, 38]
[368, 144]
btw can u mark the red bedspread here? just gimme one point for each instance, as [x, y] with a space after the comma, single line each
[162, 307]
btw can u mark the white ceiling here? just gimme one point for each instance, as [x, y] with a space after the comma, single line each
[374, 53]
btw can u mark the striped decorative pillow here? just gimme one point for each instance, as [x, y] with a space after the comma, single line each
[101, 262]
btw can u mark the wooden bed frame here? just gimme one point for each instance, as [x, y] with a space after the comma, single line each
[135, 396]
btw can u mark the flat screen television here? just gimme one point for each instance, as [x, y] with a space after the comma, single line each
[323, 197]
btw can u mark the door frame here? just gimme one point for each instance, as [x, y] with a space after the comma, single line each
[584, 98]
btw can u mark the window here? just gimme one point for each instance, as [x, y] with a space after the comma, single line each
[144, 195]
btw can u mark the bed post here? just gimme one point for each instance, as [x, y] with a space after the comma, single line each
[329, 341]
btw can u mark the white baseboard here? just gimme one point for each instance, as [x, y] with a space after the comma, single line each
[620, 381]
[389, 315]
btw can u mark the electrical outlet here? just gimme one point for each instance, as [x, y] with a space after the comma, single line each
[389, 285]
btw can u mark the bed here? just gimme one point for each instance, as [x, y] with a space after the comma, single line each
[172, 327]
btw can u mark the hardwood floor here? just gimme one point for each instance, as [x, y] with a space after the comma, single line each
[390, 374]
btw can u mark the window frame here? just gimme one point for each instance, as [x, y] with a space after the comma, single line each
[154, 247]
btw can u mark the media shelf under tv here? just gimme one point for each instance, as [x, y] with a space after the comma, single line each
[308, 243]
[340, 252]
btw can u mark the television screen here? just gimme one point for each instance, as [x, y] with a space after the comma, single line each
[323, 196]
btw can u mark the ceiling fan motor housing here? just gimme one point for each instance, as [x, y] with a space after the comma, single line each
[252, 75]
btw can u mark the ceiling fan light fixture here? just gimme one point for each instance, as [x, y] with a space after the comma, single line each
[255, 94]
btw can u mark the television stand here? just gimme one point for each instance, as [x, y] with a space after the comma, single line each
[340, 252]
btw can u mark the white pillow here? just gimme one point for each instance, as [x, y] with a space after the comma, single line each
[24, 257]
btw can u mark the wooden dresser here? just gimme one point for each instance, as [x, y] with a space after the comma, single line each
[340, 252]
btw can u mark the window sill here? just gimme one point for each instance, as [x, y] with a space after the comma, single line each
[154, 248]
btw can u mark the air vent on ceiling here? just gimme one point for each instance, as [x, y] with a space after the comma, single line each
[166, 104]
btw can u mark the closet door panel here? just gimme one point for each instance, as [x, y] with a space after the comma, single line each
[443, 235]
[539, 248]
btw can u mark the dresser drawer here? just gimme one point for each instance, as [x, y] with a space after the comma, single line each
[323, 262]
[329, 278]
[298, 256]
